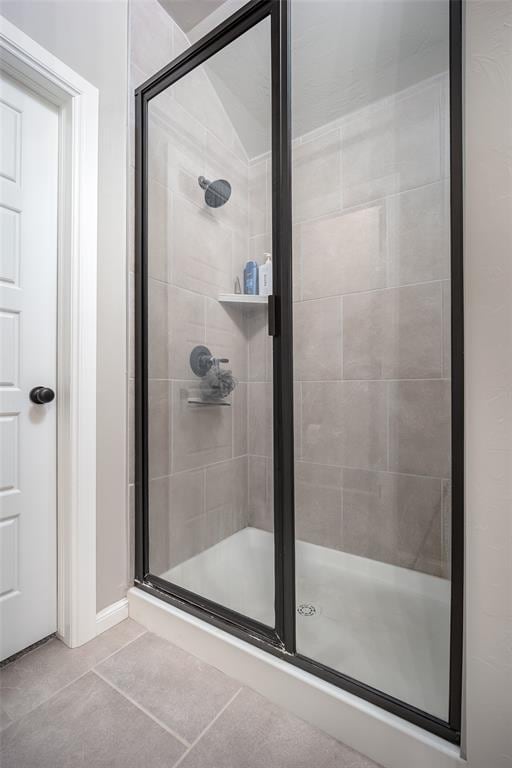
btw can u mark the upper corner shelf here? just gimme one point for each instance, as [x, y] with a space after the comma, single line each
[242, 299]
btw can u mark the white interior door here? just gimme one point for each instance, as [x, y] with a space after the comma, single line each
[29, 145]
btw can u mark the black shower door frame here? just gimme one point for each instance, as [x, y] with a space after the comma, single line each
[280, 640]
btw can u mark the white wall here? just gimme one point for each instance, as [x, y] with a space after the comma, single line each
[91, 38]
[488, 312]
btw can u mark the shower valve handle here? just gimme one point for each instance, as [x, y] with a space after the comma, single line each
[201, 360]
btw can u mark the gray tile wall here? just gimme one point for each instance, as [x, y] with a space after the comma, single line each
[372, 359]
[198, 463]
[371, 328]
[371, 290]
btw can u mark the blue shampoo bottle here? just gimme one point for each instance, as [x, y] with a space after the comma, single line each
[251, 278]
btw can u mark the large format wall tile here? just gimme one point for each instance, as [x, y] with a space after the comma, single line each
[239, 400]
[226, 336]
[344, 253]
[259, 197]
[201, 251]
[186, 323]
[201, 435]
[207, 506]
[176, 148]
[316, 176]
[159, 221]
[394, 149]
[187, 532]
[393, 518]
[221, 163]
[158, 520]
[345, 423]
[419, 234]
[317, 339]
[318, 504]
[392, 146]
[261, 500]
[393, 333]
[322, 423]
[227, 496]
[187, 493]
[259, 346]
[259, 245]
[195, 93]
[158, 334]
[419, 427]
[159, 427]
[260, 436]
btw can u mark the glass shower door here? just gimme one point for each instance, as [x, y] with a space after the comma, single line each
[372, 357]
[209, 353]
[297, 452]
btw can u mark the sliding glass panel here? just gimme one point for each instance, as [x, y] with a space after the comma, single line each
[210, 372]
[372, 363]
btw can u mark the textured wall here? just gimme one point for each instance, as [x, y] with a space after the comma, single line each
[371, 328]
[371, 290]
[91, 38]
[197, 456]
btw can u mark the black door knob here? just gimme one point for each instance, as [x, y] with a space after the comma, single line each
[42, 395]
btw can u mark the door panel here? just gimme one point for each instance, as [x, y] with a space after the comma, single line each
[372, 357]
[209, 204]
[28, 283]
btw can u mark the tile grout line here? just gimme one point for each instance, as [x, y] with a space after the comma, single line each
[145, 632]
[205, 730]
[74, 680]
[142, 709]
[42, 703]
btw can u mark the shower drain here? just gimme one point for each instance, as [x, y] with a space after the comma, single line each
[306, 609]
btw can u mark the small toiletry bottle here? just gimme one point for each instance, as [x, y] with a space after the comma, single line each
[265, 276]
[251, 278]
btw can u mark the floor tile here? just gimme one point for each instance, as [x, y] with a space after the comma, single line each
[254, 733]
[88, 724]
[179, 690]
[28, 682]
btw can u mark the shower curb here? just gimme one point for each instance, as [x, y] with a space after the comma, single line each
[385, 738]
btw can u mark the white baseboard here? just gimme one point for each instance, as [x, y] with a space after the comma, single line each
[387, 739]
[111, 615]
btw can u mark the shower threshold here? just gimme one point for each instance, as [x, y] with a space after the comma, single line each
[383, 625]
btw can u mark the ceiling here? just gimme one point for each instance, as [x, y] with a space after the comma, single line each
[345, 54]
[188, 13]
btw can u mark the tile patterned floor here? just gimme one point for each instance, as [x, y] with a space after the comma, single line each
[129, 699]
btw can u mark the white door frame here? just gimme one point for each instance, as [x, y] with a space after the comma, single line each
[77, 101]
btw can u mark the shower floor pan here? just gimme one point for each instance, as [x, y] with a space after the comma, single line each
[383, 625]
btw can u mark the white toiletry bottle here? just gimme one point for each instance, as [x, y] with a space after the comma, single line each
[265, 276]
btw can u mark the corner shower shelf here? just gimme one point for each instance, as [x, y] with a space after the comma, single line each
[242, 299]
[207, 403]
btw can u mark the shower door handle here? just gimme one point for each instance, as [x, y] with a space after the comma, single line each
[273, 315]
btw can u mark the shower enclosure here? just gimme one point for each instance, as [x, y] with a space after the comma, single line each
[299, 440]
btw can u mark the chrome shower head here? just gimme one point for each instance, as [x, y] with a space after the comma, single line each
[216, 193]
